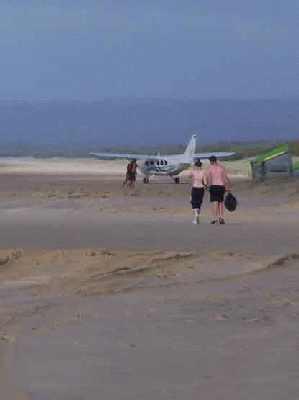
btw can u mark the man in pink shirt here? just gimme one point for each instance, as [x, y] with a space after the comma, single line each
[218, 182]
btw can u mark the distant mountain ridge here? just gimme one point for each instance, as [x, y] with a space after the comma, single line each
[74, 127]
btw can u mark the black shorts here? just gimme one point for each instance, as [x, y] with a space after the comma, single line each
[197, 195]
[217, 193]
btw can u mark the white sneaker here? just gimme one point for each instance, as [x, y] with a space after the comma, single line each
[196, 221]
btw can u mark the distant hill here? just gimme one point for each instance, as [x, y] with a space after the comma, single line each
[75, 128]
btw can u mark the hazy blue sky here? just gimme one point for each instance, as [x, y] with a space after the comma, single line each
[91, 49]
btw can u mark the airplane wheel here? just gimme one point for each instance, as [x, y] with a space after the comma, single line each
[177, 180]
[145, 181]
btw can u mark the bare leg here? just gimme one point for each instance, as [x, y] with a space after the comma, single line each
[196, 216]
[221, 213]
[221, 210]
[214, 211]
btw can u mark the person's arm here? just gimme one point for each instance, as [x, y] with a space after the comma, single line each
[228, 183]
[205, 179]
[208, 177]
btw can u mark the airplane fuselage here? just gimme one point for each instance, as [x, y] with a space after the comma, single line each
[163, 166]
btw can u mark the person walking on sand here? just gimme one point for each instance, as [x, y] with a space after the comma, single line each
[218, 182]
[131, 174]
[198, 189]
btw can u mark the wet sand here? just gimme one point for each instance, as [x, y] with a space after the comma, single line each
[110, 293]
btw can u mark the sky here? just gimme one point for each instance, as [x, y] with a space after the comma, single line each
[194, 49]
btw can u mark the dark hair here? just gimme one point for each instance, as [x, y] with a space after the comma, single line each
[198, 163]
[213, 159]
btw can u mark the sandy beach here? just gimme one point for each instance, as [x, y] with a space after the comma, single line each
[112, 293]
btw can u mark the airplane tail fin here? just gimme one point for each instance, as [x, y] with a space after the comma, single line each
[191, 148]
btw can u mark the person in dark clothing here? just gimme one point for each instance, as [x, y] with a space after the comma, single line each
[131, 174]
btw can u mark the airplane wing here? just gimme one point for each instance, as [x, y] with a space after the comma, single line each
[221, 155]
[123, 156]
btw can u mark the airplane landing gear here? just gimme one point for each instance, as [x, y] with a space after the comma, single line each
[146, 180]
[177, 180]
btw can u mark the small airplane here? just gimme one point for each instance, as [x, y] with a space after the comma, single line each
[170, 165]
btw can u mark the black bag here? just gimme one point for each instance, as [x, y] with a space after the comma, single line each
[230, 202]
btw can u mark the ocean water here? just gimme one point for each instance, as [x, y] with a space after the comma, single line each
[76, 128]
